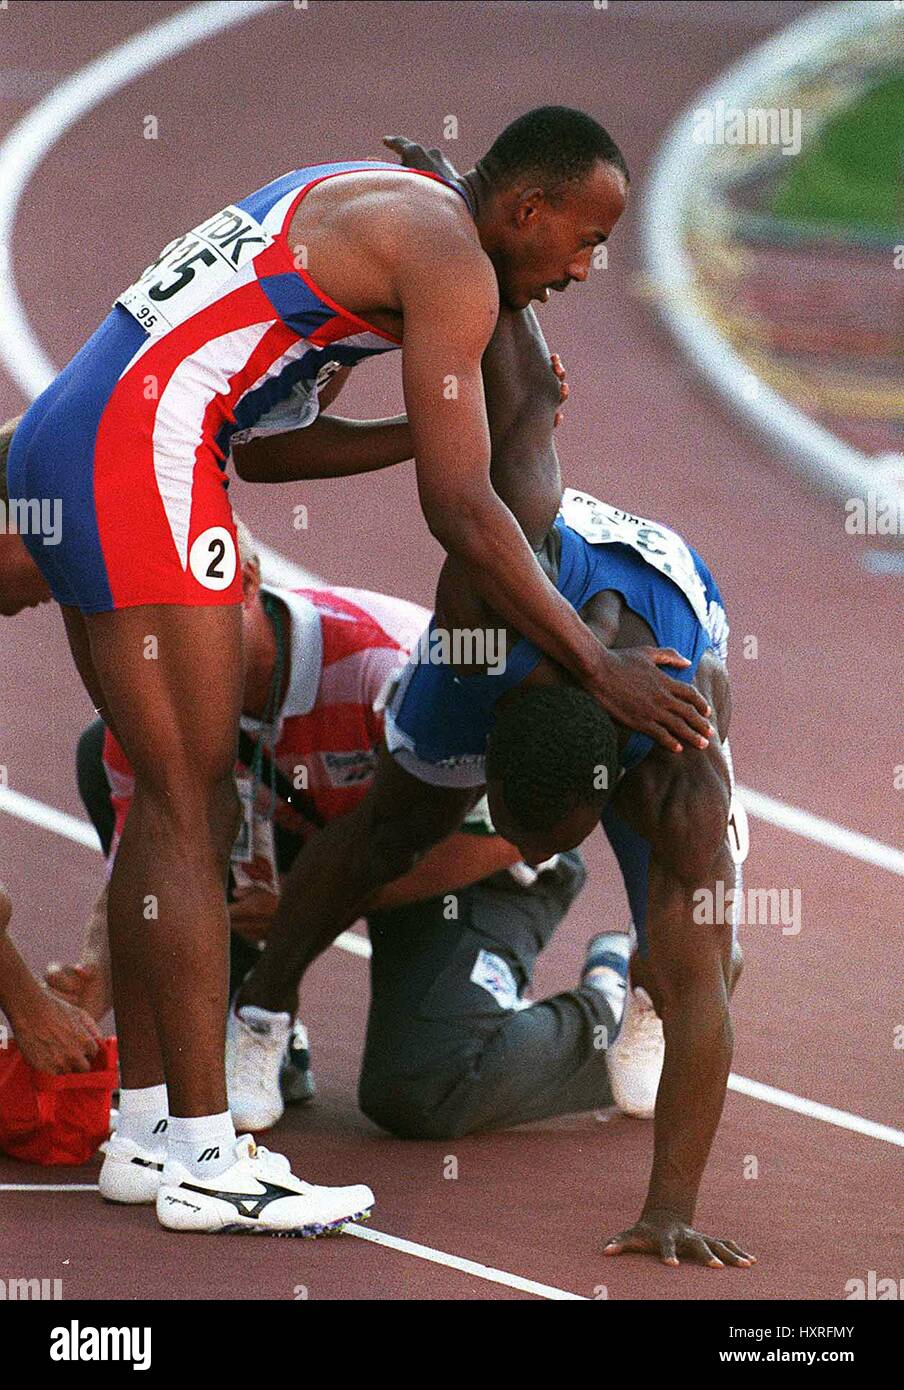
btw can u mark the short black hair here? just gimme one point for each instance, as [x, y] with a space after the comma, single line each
[553, 145]
[552, 749]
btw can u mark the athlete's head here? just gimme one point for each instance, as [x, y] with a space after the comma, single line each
[557, 184]
[552, 757]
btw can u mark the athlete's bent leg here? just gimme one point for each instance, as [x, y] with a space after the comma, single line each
[334, 876]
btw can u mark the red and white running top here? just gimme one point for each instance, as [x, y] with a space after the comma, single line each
[344, 644]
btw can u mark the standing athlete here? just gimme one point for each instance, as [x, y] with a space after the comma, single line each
[258, 306]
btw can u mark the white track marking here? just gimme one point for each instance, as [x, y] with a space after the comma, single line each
[26, 808]
[494, 1276]
[815, 1110]
[675, 180]
[30, 139]
[823, 832]
[48, 1187]
[405, 1247]
[355, 945]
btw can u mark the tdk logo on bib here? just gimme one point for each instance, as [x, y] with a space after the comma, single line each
[194, 270]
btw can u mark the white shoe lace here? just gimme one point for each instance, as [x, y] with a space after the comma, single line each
[271, 1163]
[268, 1164]
[256, 1059]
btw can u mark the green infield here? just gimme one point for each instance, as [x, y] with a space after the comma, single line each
[851, 176]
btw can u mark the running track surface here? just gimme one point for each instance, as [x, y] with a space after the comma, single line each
[814, 712]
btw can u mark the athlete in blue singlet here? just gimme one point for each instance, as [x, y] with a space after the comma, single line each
[554, 762]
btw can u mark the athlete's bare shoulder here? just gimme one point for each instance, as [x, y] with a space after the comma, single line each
[370, 235]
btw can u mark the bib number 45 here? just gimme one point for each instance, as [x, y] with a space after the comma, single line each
[194, 269]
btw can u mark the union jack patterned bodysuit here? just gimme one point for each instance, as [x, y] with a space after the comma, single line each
[133, 435]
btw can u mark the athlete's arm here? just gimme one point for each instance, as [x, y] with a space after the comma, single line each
[690, 968]
[450, 304]
[627, 683]
[51, 1034]
[455, 863]
[331, 447]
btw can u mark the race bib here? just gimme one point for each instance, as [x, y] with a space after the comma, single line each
[253, 859]
[193, 270]
[601, 524]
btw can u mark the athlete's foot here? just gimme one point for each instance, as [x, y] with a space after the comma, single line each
[296, 1080]
[258, 1193]
[129, 1172]
[256, 1042]
[635, 1059]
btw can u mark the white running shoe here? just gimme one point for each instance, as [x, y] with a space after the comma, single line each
[296, 1080]
[258, 1193]
[129, 1173]
[256, 1042]
[635, 1058]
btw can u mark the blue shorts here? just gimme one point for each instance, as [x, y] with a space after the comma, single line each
[437, 723]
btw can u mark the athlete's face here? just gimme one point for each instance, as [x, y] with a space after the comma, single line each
[21, 583]
[549, 245]
[536, 846]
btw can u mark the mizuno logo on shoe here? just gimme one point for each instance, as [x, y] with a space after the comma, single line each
[160, 1127]
[208, 1154]
[246, 1203]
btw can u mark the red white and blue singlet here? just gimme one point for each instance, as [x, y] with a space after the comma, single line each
[132, 437]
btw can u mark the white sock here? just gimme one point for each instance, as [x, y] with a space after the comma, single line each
[204, 1144]
[606, 970]
[143, 1116]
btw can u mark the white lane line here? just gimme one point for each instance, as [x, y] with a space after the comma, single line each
[815, 1110]
[82, 833]
[823, 832]
[30, 139]
[48, 1187]
[26, 808]
[405, 1247]
[493, 1276]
